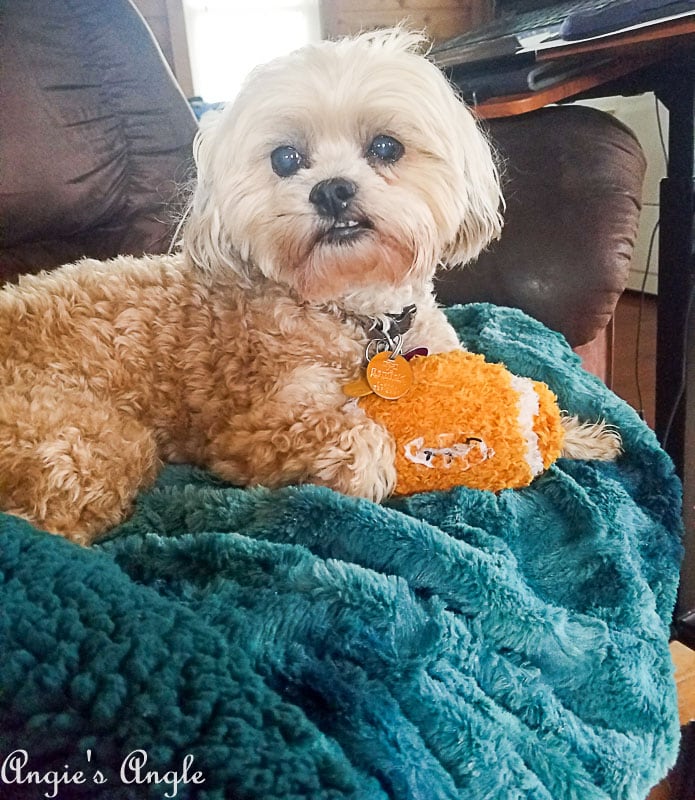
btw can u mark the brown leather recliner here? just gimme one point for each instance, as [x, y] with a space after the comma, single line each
[96, 138]
[573, 184]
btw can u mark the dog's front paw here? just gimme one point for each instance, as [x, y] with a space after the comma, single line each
[347, 452]
[361, 464]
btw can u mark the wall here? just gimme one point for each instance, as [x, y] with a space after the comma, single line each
[441, 18]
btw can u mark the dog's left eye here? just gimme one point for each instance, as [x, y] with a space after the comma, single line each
[286, 160]
[385, 148]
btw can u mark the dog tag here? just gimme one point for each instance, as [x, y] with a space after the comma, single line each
[389, 377]
[358, 388]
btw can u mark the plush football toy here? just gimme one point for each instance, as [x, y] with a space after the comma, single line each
[463, 422]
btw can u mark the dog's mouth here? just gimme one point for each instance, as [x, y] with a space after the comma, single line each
[344, 231]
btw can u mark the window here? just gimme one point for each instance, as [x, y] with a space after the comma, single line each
[227, 38]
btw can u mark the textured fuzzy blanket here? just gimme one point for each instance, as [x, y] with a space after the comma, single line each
[300, 644]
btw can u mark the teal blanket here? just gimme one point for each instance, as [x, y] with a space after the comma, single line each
[229, 643]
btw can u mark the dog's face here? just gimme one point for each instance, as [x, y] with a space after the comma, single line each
[344, 169]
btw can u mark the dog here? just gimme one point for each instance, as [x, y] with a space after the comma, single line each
[327, 195]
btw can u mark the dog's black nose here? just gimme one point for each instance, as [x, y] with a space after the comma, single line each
[332, 197]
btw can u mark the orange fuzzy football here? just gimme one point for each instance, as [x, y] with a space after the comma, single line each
[467, 422]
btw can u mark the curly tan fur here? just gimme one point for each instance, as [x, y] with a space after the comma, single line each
[109, 367]
[233, 353]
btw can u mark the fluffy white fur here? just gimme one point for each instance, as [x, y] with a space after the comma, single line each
[233, 353]
[440, 202]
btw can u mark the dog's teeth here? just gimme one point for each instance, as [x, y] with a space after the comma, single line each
[351, 223]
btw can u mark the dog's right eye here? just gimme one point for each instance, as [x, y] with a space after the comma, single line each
[286, 160]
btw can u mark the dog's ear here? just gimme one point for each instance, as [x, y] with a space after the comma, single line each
[477, 197]
[459, 174]
[202, 230]
[207, 237]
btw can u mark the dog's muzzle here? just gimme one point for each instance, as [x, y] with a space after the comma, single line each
[333, 200]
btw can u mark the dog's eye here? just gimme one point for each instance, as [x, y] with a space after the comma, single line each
[385, 148]
[286, 160]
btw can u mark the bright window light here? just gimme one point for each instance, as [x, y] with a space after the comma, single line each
[227, 38]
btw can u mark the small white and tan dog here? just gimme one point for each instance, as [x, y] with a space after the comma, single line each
[328, 193]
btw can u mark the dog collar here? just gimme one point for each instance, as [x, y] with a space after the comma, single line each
[387, 372]
[390, 328]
